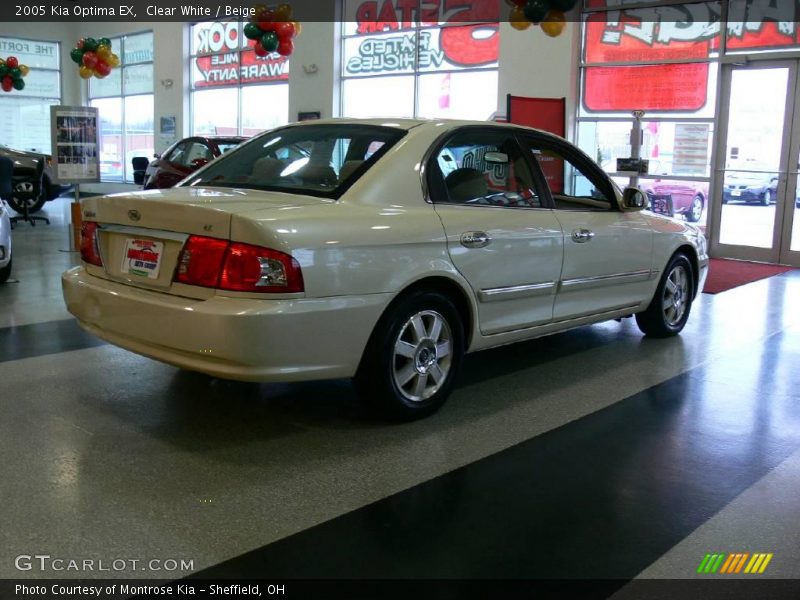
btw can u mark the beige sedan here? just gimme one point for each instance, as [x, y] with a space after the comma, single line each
[382, 251]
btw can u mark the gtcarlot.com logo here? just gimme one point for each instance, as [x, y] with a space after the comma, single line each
[46, 563]
[743, 563]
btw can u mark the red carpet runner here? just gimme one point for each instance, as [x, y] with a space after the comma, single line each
[724, 274]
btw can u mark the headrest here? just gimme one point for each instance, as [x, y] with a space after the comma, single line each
[466, 184]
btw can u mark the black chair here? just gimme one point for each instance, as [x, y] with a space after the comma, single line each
[37, 189]
[139, 167]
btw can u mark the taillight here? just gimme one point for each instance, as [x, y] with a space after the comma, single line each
[237, 267]
[201, 261]
[90, 252]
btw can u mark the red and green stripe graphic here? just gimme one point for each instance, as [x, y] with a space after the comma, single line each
[733, 563]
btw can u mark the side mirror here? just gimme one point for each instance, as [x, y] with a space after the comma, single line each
[156, 155]
[633, 199]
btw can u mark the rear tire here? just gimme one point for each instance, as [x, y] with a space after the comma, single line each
[765, 198]
[669, 310]
[695, 210]
[411, 362]
[5, 272]
[35, 200]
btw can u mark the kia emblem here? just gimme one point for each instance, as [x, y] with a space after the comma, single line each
[135, 215]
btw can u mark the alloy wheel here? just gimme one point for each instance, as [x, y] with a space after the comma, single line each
[422, 355]
[676, 295]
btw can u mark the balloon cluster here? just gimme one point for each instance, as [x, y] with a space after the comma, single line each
[94, 57]
[548, 14]
[272, 30]
[11, 74]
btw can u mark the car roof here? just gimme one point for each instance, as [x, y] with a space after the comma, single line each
[408, 124]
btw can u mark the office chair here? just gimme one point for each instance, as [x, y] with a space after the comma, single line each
[140, 164]
[37, 187]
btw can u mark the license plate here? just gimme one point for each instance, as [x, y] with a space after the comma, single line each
[736, 193]
[142, 258]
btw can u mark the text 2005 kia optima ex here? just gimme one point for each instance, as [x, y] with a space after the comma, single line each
[377, 250]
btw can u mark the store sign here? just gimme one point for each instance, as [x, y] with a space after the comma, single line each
[674, 32]
[225, 58]
[387, 42]
[690, 155]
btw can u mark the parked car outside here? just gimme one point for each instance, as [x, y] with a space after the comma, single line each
[5, 242]
[745, 186]
[184, 157]
[27, 190]
[364, 260]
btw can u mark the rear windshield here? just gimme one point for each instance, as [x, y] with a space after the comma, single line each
[320, 160]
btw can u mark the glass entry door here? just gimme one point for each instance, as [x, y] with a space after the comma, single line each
[757, 155]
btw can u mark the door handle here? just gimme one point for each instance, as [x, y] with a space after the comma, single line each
[475, 239]
[581, 236]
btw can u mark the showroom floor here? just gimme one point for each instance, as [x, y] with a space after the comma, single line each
[594, 453]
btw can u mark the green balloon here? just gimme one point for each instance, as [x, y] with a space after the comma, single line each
[536, 10]
[270, 41]
[76, 54]
[104, 42]
[252, 31]
[15, 73]
[563, 5]
[90, 44]
[18, 83]
[3, 71]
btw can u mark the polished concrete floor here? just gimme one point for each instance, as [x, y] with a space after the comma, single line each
[594, 453]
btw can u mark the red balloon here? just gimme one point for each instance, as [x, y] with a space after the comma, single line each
[266, 25]
[286, 47]
[285, 30]
[12, 62]
[79, 44]
[102, 68]
[90, 59]
[7, 84]
[519, 2]
[260, 50]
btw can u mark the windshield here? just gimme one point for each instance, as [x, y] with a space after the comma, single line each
[320, 160]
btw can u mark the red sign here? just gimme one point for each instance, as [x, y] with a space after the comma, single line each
[232, 68]
[376, 16]
[675, 87]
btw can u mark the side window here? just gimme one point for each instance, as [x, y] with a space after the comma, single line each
[196, 151]
[573, 184]
[176, 156]
[483, 168]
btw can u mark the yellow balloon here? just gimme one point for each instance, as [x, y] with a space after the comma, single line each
[517, 19]
[85, 72]
[24, 70]
[554, 23]
[257, 10]
[2, 61]
[103, 52]
[298, 28]
[283, 13]
[113, 61]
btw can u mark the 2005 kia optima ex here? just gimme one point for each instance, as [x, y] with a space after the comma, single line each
[378, 250]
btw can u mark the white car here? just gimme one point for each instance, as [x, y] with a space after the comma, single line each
[5, 241]
[364, 259]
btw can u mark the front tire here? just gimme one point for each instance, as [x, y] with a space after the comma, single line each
[5, 272]
[765, 198]
[413, 357]
[669, 310]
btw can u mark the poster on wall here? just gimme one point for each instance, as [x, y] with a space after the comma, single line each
[74, 133]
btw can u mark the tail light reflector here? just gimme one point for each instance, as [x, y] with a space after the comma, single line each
[237, 267]
[90, 252]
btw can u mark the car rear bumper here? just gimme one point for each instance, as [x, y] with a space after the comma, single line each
[231, 338]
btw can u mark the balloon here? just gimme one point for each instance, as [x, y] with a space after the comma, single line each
[80, 43]
[258, 11]
[19, 84]
[283, 13]
[85, 72]
[90, 59]
[2, 61]
[270, 41]
[3, 71]
[90, 44]
[285, 30]
[103, 52]
[12, 62]
[102, 68]
[113, 61]
[104, 42]
[286, 47]
[7, 84]
[76, 54]
[517, 19]
[252, 31]
[563, 5]
[536, 10]
[554, 24]
[298, 28]
[519, 3]
[24, 70]
[260, 49]
[14, 73]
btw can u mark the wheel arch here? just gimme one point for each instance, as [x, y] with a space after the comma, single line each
[689, 252]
